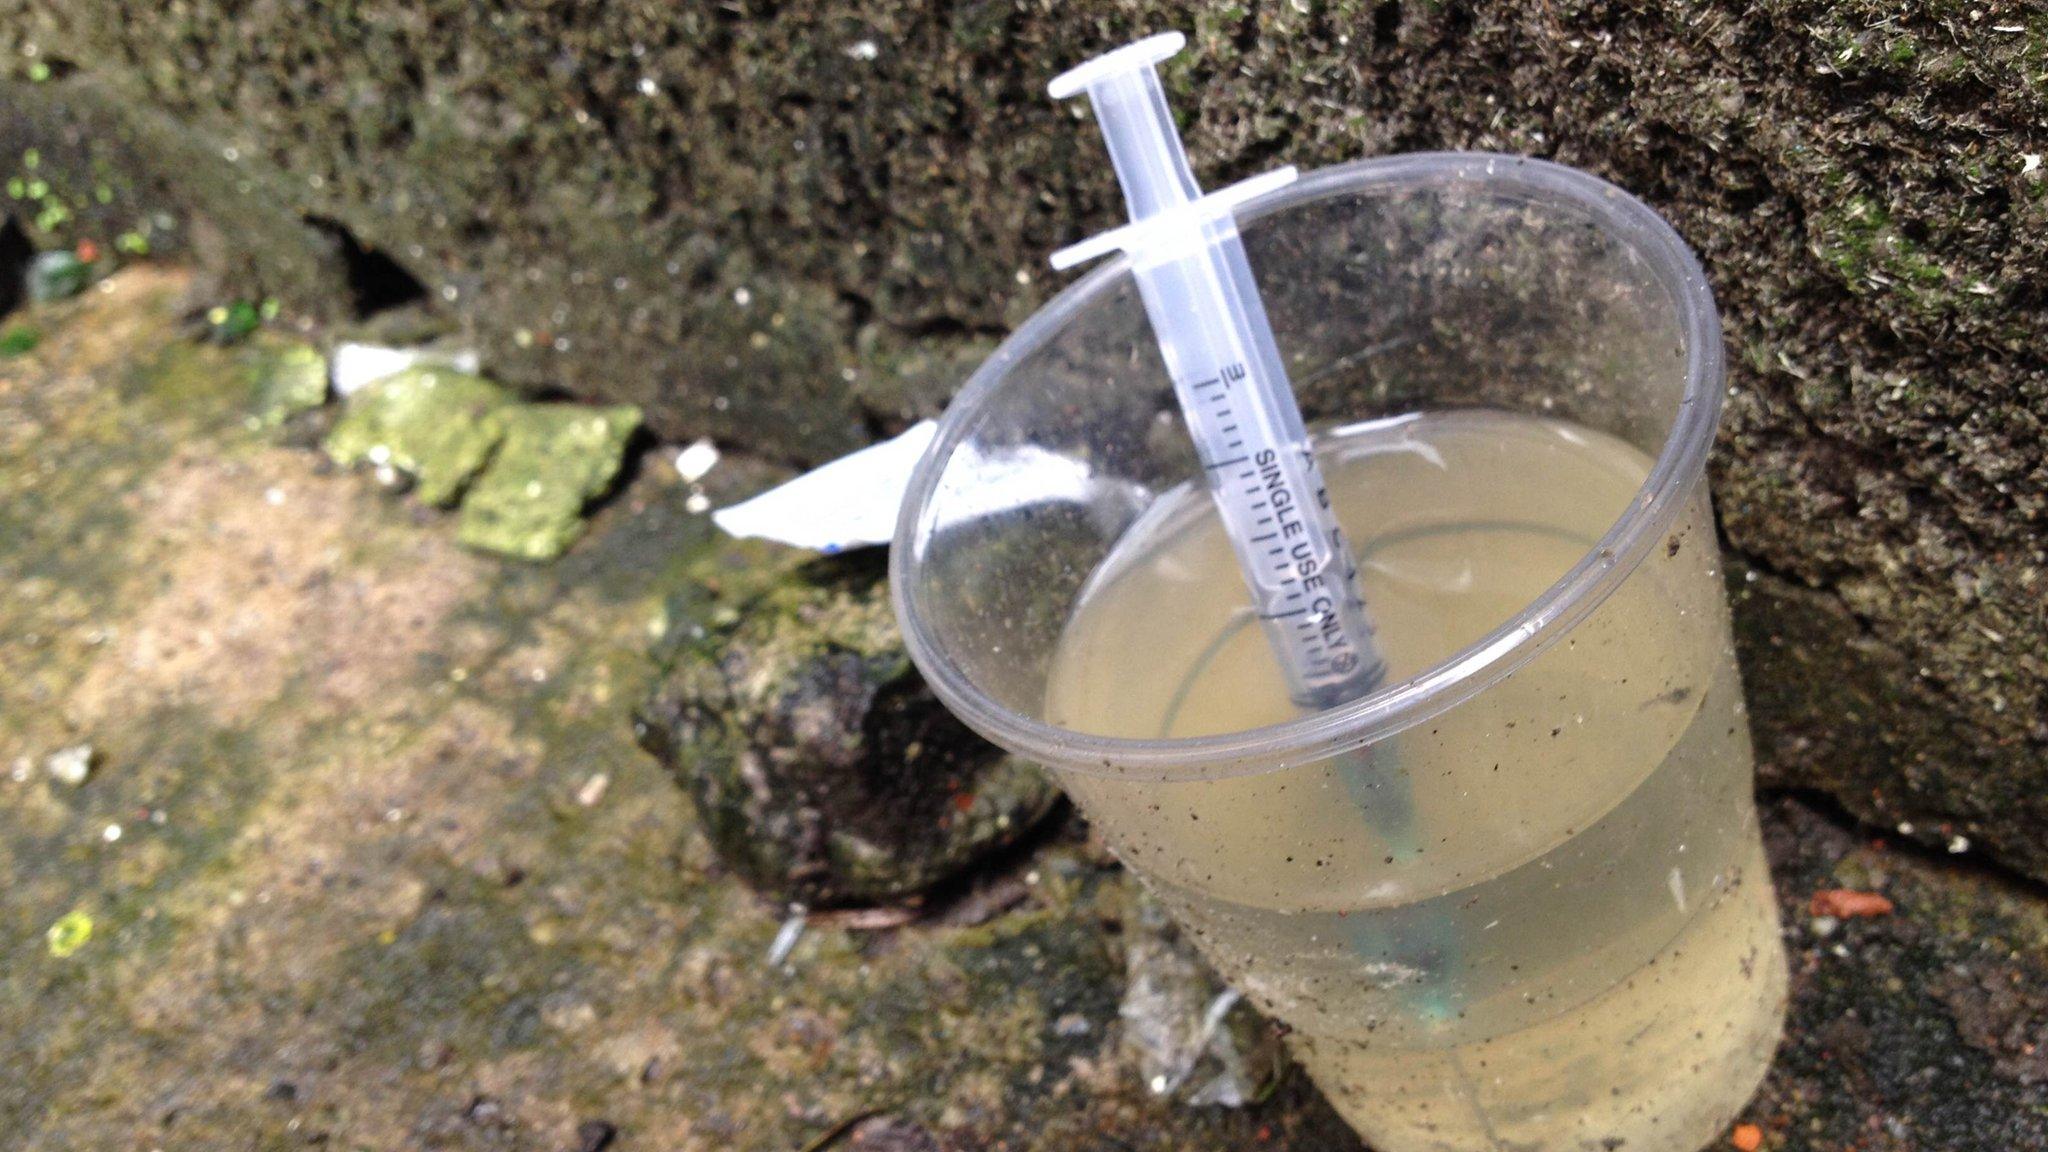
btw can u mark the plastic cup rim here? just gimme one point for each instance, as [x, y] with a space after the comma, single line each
[1400, 704]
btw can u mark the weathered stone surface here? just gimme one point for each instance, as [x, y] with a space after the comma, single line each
[136, 182]
[359, 900]
[1836, 708]
[554, 460]
[438, 426]
[745, 217]
[821, 765]
[1925, 1029]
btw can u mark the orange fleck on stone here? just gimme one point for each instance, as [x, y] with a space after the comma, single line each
[1844, 903]
[1747, 1137]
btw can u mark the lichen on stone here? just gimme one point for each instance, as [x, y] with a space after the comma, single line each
[288, 380]
[555, 459]
[437, 426]
[823, 767]
[1859, 241]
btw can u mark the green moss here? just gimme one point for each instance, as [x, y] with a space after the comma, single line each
[555, 459]
[289, 380]
[231, 323]
[821, 765]
[1870, 255]
[436, 425]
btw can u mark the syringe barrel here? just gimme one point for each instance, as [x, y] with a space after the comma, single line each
[1259, 464]
[1233, 389]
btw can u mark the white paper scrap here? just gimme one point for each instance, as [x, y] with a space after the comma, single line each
[695, 462]
[850, 503]
[354, 367]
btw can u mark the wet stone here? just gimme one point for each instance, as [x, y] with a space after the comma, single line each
[823, 767]
[437, 426]
[554, 460]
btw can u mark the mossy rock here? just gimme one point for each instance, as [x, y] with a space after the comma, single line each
[822, 765]
[437, 426]
[289, 380]
[554, 459]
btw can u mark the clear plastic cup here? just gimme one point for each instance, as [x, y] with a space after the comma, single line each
[1580, 947]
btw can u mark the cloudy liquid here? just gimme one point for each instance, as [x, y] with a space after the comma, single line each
[1540, 920]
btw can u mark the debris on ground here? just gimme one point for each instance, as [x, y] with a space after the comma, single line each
[882, 918]
[889, 1134]
[57, 276]
[237, 321]
[693, 464]
[1746, 1138]
[69, 934]
[786, 936]
[848, 503]
[435, 425]
[1190, 1035]
[71, 765]
[355, 366]
[1846, 904]
[554, 460]
[696, 461]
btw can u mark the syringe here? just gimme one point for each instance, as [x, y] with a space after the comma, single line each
[1239, 405]
[1234, 394]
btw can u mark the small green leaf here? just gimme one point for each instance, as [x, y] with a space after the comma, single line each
[70, 934]
[19, 339]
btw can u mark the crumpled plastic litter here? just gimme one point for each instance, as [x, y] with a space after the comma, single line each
[1191, 1036]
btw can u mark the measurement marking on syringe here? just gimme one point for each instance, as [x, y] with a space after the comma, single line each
[1205, 312]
